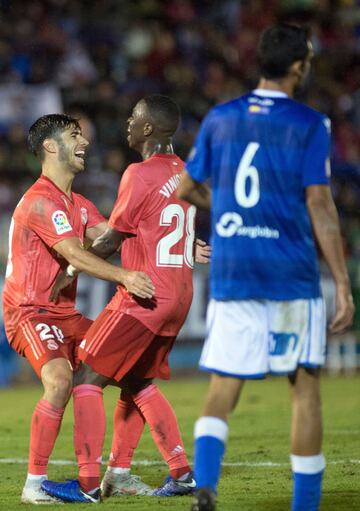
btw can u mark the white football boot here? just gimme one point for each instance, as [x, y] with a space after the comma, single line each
[33, 494]
[115, 485]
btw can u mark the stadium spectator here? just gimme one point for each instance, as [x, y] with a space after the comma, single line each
[268, 160]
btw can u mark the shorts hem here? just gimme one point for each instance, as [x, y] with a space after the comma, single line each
[283, 373]
[308, 365]
[256, 376]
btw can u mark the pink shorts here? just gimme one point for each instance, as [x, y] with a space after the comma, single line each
[43, 337]
[117, 343]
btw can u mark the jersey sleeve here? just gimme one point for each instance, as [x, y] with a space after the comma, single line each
[316, 168]
[49, 220]
[94, 217]
[198, 164]
[130, 203]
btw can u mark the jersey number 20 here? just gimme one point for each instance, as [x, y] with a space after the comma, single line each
[184, 225]
[244, 172]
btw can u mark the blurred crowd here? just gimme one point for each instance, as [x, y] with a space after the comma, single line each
[94, 60]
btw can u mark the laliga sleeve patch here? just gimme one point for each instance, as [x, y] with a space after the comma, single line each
[61, 222]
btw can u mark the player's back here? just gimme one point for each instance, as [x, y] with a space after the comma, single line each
[263, 150]
[160, 240]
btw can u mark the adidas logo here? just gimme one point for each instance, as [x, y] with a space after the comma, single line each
[178, 450]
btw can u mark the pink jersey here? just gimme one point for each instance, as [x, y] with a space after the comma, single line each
[160, 242]
[44, 216]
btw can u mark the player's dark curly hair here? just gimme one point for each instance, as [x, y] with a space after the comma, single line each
[164, 111]
[48, 126]
[279, 47]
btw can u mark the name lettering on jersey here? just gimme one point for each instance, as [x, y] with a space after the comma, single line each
[231, 224]
[260, 105]
[170, 186]
[261, 101]
[60, 222]
[84, 216]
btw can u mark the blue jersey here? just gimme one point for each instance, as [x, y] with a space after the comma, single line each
[261, 151]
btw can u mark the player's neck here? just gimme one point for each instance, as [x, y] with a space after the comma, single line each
[61, 178]
[285, 85]
[152, 147]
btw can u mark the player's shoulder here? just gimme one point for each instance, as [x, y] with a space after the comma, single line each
[226, 108]
[306, 113]
[40, 197]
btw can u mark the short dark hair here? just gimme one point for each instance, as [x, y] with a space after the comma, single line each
[279, 47]
[164, 111]
[48, 126]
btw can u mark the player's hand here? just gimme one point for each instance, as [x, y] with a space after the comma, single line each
[138, 283]
[62, 281]
[345, 310]
[202, 252]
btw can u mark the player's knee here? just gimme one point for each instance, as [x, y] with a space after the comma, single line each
[58, 388]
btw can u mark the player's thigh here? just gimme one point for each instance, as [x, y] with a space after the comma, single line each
[297, 334]
[154, 361]
[114, 344]
[223, 395]
[41, 339]
[237, 340]
[305, 385]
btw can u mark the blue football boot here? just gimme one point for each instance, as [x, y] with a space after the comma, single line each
[70, 492]
[175, 487]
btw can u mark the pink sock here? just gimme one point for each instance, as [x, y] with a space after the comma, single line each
[45, 427]
[128, 426]
[89, 433]
[164, 428]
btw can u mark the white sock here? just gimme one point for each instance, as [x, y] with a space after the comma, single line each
[118, 470]
[35, 479]
[307, 464]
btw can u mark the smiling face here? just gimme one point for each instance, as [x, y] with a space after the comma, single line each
[71, 149]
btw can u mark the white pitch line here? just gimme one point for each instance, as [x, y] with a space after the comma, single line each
[248, 464]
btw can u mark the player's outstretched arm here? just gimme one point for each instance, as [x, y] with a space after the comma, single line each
[135, 282]
[325, 222]
[196, 193]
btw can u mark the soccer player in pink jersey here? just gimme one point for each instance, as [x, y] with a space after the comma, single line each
[48, 228]
[131, 339]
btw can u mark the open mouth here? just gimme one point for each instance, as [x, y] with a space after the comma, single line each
[80, 155]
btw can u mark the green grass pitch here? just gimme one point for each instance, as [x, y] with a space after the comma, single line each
[259, 433]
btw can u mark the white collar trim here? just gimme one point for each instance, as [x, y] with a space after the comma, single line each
[270, 93]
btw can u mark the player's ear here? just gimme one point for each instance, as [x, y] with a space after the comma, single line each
[148, 129]
[50, 145]
[297, 70]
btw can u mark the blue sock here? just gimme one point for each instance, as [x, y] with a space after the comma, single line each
[307, 479]
[210, 438]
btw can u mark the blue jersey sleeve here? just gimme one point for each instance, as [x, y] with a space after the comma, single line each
[198, 163]
[316, 168]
